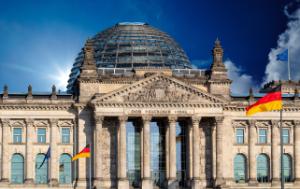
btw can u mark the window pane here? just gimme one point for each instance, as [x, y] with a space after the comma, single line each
[286, 136]
[65, 135]
[17, 169]
[41, 135]
[41, 172]
[240, 168]
[239, 136]
[287, 168]
[17, 135]
[65, 174]
[262, 168]
[262, 135]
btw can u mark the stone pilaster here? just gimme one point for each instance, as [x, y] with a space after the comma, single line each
[146, 176]
[275, 153]
[251, 151]
[172, 181]
[54, 172]
[122, 159]
[190, 152]
[297, 150]
[219, 145]
[196, 182]
[98, 151]
[30, 139]
[4, 156]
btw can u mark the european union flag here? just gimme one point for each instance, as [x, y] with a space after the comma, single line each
[283, 56]
[47, 156]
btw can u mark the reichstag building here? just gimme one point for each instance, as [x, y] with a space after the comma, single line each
[152, 121]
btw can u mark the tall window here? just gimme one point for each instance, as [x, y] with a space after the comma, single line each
[287, 167]
[240, 168]
[17, 169]
[41, 135]
[41, 172]
[65, 135]
[181, 155]
[17, 135]
[286, 135]
[240, 136]
[158, 161]
[65, 175]
[262, 168]
[262, 136]
[133, 133]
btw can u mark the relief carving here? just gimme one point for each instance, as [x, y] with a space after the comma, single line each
[159, 91]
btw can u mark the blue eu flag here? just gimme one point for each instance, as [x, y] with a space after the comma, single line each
[283, 56]
[47, 156]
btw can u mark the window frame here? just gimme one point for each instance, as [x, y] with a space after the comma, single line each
[237, 136]
[16, 135]
[65, 135]
[260, 136]
[288, 135]
[39, 135]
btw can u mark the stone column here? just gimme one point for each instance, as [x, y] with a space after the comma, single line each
[196, 183]
[251, 151]
[146, 182]
[214, 153]
[172, 181]
[98, 151]
[190, 152]
[219, 145]
[4, 156]
[275, 153]
[29, 159]
[122, 159]
[54, 135]
[297, 150]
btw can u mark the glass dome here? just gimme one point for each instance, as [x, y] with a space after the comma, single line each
[133, 45]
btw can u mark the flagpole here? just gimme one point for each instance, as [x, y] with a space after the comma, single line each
[90, 169]
[281, 152]
[289, 66]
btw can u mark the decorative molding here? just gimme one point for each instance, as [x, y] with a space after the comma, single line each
[240, 123]
[66, 123]
[266, 123]
[17, 123]
[146, 118]
[196, 120]
[172, 119]
[29, 122]
[41, 123]
[34, 107]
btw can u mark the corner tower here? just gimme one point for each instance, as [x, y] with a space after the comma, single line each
[218, 82]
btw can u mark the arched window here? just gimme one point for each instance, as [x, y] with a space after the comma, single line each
[287, 167]
[263, 168]
[65, 176]
[17, 169]
[41, 172]
[240, 168]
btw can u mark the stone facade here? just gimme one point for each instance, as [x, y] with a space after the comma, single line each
[98, 112]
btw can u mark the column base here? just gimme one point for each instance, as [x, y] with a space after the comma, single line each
[252, 182]
[172, 183]
[97, 183]
[81, 182]
[196, 183]
[147, 183]
[123, 183]
[53, 182]
[29, 181]
[275, 182]
[220, 182]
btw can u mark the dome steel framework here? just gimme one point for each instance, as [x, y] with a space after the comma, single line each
[133, 45]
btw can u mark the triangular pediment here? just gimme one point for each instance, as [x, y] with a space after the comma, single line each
[161, 89]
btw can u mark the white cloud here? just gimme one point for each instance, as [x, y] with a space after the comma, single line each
[197, 63]
[290, 38]
[241, 82]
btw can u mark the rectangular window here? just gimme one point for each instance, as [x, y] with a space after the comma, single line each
[65, 135]
[262, 136]
[17, 135]
[240, 136]
[286, 136]
[41, 135]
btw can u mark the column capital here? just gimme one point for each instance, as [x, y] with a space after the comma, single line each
[172, 119]
[4, 122]
[219, 119]
[196, 120]
[29, 122]
[53, 122]
[251, 122]
[146, 118]
[297, 123]
[275, 123]
[123, 118]
[99, 119]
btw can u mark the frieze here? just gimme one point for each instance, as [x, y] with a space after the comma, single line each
[263, 123]
[65, 123]
[41, 123]
[17, 123]
[240, 123]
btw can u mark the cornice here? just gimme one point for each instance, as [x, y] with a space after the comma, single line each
[243, 108]
[34, 107]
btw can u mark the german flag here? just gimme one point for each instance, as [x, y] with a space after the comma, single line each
[271, 101]
[85, 153]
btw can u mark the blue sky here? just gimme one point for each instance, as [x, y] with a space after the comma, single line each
[40, 39]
